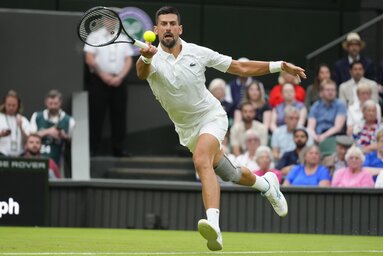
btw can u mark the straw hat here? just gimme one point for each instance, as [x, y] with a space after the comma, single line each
[353, 37]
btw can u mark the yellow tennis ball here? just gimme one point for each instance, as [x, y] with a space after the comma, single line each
[149, 36]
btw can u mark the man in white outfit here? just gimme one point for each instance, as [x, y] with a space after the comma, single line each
[175, 71]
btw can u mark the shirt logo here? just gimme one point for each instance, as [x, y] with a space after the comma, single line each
[192, 64]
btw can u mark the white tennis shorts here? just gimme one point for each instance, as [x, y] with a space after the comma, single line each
[215, 125]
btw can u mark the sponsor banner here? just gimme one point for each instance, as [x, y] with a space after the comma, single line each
[23, 192]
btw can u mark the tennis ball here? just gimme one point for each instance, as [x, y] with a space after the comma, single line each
[149, 36]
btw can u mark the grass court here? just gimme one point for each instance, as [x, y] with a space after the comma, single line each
[92, 241]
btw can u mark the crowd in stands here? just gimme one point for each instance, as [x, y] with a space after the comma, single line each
[43, 136]
[329, 134]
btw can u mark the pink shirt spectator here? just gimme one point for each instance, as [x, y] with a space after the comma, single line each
[277, 172]
[345, 178]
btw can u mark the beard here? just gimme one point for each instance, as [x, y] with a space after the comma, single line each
[300, 144]
[168, 43]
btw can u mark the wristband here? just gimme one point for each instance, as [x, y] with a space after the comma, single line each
[146, 60]
[275, 66]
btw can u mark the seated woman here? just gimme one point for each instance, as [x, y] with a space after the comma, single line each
[218, 89]
[278, 113]
[310, 173]
[323, 71]
[364, 133]
[264, 160]
[353, 175]
[255, 94]
[374, 160]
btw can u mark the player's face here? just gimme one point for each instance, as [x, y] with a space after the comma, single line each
[11, 105]
[33, 146]
[168, 29]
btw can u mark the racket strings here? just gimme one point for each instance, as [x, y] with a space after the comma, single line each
[103, 20]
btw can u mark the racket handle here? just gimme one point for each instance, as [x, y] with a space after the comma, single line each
[140, 44]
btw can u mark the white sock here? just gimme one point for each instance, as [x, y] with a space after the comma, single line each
[213, 217]
[261, 184]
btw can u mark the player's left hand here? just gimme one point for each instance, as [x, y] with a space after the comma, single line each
[294, 70]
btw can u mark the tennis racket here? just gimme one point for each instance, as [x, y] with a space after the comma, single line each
[107, 24]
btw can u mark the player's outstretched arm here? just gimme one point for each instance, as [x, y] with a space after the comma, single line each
[259, 68]
[143, 64]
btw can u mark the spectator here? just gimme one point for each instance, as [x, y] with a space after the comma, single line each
[337, 160]
[364, 134]
[348, 89]
[238, 87]
[255, 94]
[291, 158]
[323, 72]
[353, 175]
[32, 149]
[54, 126]
[107, 88]
[355, 112]
[310, 172]
[217, 88]
[248, 158]
[327, 116]
[353, 46]
[282, 138]
[264, 159]
[13, 126]
[275, 96]
[374, 160]
[289, 100]
[237, 135]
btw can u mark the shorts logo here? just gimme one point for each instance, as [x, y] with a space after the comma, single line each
[135, 22]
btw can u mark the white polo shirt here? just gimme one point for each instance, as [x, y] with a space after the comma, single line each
[110, 58]
[179, 84]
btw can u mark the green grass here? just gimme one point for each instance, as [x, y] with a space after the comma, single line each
[52, 241]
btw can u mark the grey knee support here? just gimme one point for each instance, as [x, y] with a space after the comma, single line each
[227, 171]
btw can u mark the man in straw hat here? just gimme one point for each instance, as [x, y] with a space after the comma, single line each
[353, 46]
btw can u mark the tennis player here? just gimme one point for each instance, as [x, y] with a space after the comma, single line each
[175, 71]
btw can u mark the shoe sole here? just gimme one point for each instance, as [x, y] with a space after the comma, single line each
[209, 234]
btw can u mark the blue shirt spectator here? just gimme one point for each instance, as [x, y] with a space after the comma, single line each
[327, 116]
[289, 158]
[298, 177]
[372, 160]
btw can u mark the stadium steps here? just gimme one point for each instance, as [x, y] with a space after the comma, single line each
[148, 168]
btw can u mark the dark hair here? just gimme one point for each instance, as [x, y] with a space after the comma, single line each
[300, 129]
[316, 84]
[244, 103]
[355, 63]
[168, 10]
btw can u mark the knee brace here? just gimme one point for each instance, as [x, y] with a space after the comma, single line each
[227, 171]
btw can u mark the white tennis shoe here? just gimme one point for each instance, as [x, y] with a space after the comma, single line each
[274, 195]
[211, 234]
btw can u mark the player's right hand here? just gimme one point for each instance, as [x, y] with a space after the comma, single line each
[148, 52]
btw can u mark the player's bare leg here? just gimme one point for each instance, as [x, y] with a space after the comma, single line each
[207, 148]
